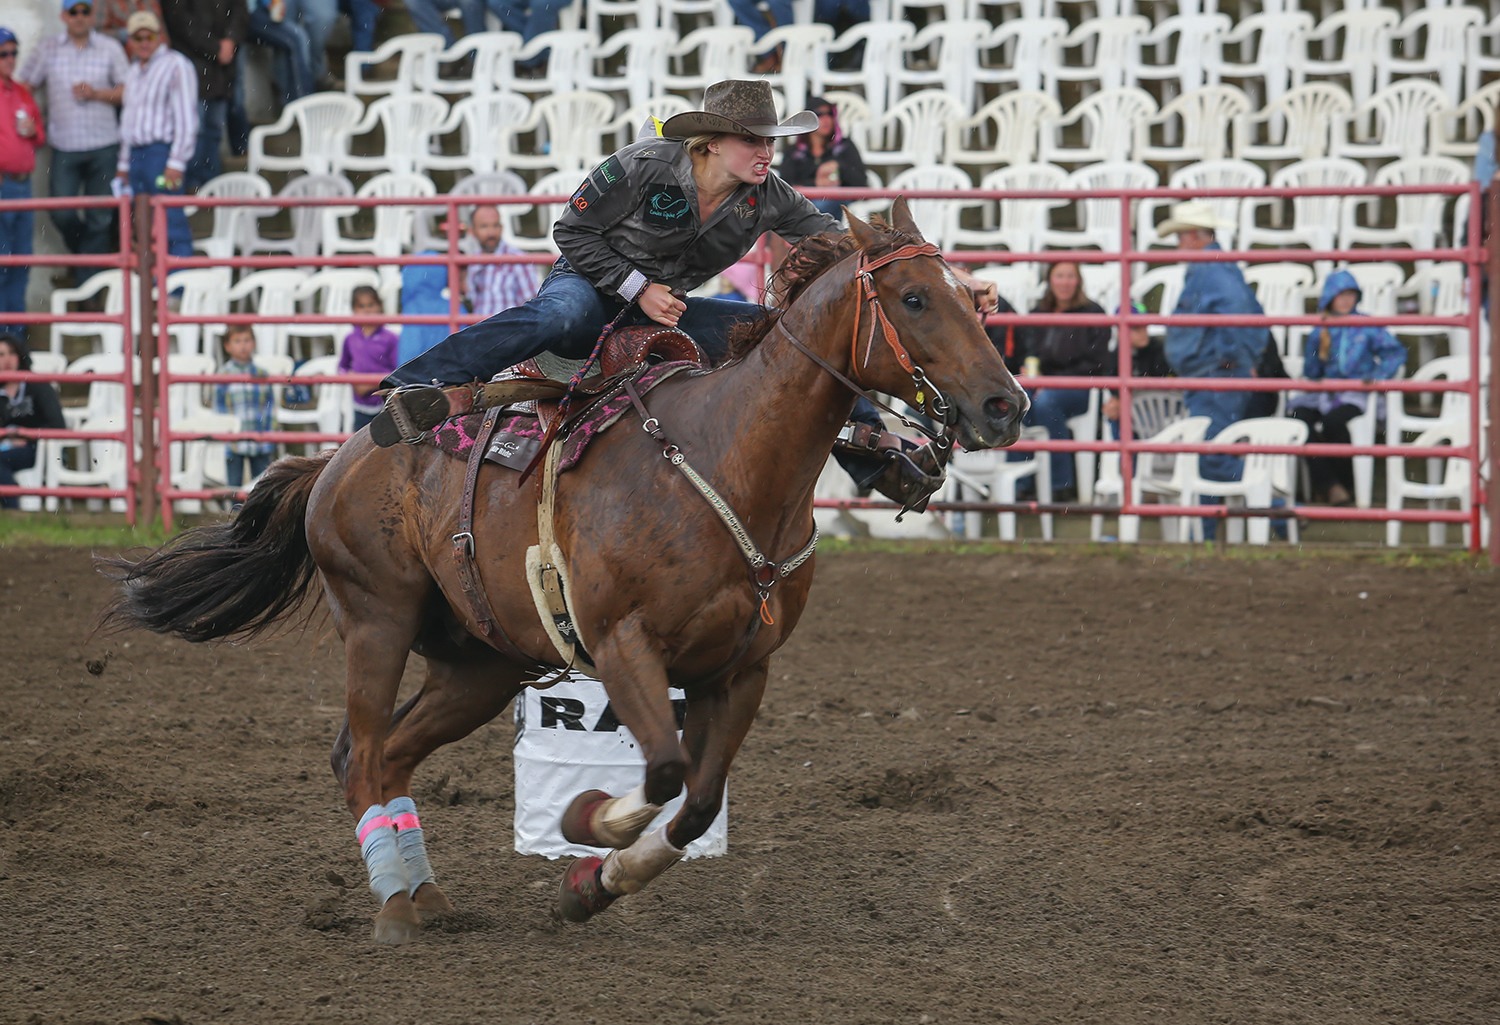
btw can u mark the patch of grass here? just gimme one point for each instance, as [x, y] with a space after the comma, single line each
[54, 530]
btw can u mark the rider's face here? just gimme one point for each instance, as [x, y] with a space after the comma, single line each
[746, 157]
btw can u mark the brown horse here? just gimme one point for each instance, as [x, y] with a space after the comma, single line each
[660, 590]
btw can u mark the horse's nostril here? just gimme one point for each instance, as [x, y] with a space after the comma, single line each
[998, 410]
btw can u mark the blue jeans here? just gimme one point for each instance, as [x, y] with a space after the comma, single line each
[1052, 408]
[146, 165]
[364, 15]
[234, 467]
[565, 317]
[206, 163]
[529, 20]
[827, 11]
[293, 53]
[84, 173]
[315, 18]
[16, 228]
[428, 16]
[17, 456]
[1222, 409]
[747, 12]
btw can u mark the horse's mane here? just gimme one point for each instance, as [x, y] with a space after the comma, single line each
[804, 265]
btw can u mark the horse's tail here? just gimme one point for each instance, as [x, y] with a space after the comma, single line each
[230, 579]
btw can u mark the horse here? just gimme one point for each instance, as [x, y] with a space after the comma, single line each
[670, 585]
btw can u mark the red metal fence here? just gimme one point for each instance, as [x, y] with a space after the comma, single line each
[148, 491]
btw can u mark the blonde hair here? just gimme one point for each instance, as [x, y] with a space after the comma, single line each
[698, 144]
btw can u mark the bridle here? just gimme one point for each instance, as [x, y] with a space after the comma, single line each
[930, 399]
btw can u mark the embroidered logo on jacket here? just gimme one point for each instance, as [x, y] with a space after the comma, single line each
[666, 205]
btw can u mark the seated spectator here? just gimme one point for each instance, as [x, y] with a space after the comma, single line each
[1006, 338]
[316, 18]
[824, 158]
[529, 19]
[1062, 350]
[34, 405]
[292, 49]
[492, 287]
[368, 349]
[1147, 359]
[1351, 351]
[431, 16]
[364, 19]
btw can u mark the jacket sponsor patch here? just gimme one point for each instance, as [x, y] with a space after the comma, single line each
[665, 205]
[609, 173]
[584, 197]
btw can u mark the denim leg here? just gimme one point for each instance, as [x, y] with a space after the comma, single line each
[99, 222]
[16, 227]
[65, 178]
[1051, 408]
[315, 18]
[364, 15]
[206, 163]
[236, 119]
[709, 321]
[146, 165]
[564, 317]
[428, 16]
[748, 12]
[291, 44]
[1222, 409]
[234, 468]
[828, 10]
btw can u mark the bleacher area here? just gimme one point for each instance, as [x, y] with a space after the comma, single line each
[956, 95]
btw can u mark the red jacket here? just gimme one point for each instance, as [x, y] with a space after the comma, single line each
[18, 155]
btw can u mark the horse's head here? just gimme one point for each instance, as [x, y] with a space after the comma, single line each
[917, 336]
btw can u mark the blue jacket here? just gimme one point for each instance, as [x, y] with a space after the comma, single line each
[422, 288]
[1215, 351]
[1357, 352]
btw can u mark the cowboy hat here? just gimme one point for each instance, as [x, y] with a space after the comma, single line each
[738, 108]
[1193, 215]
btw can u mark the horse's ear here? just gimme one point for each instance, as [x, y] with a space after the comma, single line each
[865, 235]
[902, 220]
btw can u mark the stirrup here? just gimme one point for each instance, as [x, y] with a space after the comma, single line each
[410, 414]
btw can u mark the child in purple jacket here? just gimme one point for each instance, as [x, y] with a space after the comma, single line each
[368, 349]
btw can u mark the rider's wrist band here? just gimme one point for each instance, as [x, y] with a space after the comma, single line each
[634, 287]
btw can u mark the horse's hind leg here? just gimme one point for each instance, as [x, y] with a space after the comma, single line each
[456, 699]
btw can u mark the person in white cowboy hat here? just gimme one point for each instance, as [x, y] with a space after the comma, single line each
[655, 220]
[1219, 351]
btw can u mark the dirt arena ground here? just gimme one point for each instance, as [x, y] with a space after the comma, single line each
[1032, 787]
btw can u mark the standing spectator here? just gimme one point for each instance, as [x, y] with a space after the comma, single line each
[1212, 287]
[33, 405]
[21, 134]
[251, 401]
[368, 349]
[1064, 350]
[1355, 352]
[209, 33]
[159, 123]
[492, 287]
[111, 16]
[824, 158]
[293, 51]
[83, 72]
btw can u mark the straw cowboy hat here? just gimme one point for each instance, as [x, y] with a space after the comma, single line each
[738, 108]
[1193, 215]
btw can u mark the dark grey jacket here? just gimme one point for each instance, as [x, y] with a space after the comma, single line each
[635, 220]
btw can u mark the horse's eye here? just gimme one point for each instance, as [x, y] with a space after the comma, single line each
[913, 301]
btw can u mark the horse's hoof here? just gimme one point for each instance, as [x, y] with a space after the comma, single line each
[582, 895]
[398, 922]
[431, 902]
[576, 827]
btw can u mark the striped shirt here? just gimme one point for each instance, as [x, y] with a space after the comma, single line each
[57, 64]
[500, 286]
[253, 403]
[161, 105]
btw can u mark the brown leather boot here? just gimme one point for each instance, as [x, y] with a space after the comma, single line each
[411, 413]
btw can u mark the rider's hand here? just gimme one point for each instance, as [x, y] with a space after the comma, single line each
[986, 295]
[658, 303]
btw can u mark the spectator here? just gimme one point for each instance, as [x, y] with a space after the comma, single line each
[288, 40]
[1064, 350]
[761, 16]
[21, 135]
[316, 18]
[159, 123]
[492, 287]
[1221, 351]
[1351, 351]
[424, 291]
[250, 401]
[430, 16]
[1147, 359]
[824, 158]
[368, 349]
[33, 405]
[111, 16]
[83, 72]
[529, 18]
[364, 18]
[209, 33]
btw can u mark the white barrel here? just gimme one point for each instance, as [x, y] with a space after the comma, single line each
[568, 740]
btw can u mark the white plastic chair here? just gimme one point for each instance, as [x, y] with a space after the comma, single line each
[1103, 51]
[1456, 131]
[1112, 124]
[1270, 51]
[1403, 113]
[198, 464]
[1482, 58]
[1297, 126]
[1440, 290]
[569, 129]
[1220, 174]
[490, 58]
[1379, 284]
[682, 16]
[107, 285]
[944, 55]
[705, 56]
[233, 228]
[1419, 216]
[1283, 289]
[1265, 477]
[627, 125]
[270, 293]
[416, 55]
[329, 292]
[1315, 218]
[1194, 126]
[1160, 476]
[1022, 51]
[530, 227]
[1166, 280]
[913, 132]
[322, 122]
[990, 475]
[487, 124]
[570, 62]
[804, 50]
[1447, 480]
[93, 464]
[332, 409]
[1431, 41]
[631, 63]
[1099, 217]
[1006, 130]
[1186, 47]
[199, 292]
[309, 224]
[1018, 224]
[430, 235]
[936, 218]
[407, 124]
[882, 46]
[642, 14]
[1352, 45]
